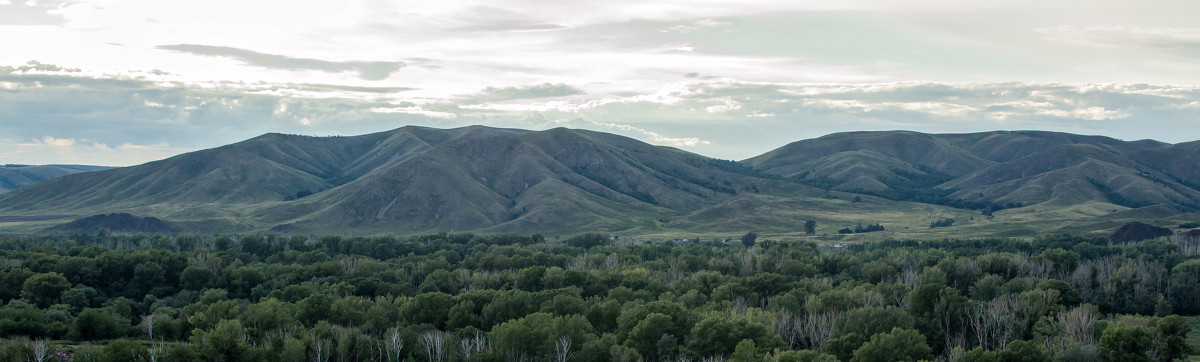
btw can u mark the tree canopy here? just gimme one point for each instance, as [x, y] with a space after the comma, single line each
[455, 297]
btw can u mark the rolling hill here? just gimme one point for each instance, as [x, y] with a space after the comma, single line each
[271, 167]
[416, 179]
[994, 169]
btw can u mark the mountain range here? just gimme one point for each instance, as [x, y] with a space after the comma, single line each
[416, 179]
[13, 177]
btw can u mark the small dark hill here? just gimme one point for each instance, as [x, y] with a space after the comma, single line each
[1136, 231]
[118, 223]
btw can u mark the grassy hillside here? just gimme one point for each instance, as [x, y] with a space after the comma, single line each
[994, 169]
[272, 167]
[558, 179]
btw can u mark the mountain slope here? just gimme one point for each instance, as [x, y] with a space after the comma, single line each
[552, 180]
[900, 150]
[1072, 174]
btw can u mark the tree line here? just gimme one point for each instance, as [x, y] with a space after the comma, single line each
[509, 297]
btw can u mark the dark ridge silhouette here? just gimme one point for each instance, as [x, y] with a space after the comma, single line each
[117, 223]
[1137, 231]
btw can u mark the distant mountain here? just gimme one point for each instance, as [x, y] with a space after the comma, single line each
[994, 169]
[416, 179]
[13, 177]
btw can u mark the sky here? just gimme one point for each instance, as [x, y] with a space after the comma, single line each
[123, 82]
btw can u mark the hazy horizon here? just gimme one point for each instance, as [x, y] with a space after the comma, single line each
[117, 83]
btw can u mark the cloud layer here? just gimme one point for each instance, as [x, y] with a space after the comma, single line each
[68, 118]
[365, 70]
[725, 79]
[1165, 38]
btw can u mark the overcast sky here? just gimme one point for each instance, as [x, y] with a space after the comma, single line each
[121, 82]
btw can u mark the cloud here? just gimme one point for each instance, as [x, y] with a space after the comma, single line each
[417, 110]
[723, 105]
[365, 70]
[711, 116]
[1162, 38]
[50, 150]
[697, 25]
[654, 137]
[24, 12]
[1094, 113]
[488, 18]
[544, 90]
[34, 66]
[348, 88]
[317, 90]
[743, 119]
[933, 103]
[115, 112]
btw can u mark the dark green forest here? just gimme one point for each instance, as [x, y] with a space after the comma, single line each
[592, 297]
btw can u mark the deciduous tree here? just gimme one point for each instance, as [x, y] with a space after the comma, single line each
[897, 345]
[44, 289]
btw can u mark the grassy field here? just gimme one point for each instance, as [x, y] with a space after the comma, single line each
[782, 218]
[771, 216]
